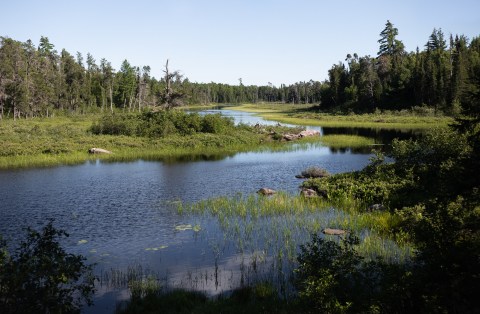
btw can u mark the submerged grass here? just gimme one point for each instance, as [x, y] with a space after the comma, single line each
[282, 222]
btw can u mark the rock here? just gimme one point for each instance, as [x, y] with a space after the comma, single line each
[266, 191]
[290, 137]
[330, 231]
[375, 207]
[98, 151]
[307, 133]
[309, 193]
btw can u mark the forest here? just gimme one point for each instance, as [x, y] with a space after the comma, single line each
[37, 80]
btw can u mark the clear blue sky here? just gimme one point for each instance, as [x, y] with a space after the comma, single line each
[259, 41]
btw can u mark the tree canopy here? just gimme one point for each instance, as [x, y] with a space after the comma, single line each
[37, 80]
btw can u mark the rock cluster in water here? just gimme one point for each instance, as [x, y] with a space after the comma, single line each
[306, 133]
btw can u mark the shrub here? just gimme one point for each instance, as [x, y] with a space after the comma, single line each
[215, 123]
[42, 278]
[161, 124]
[115, 124]
[334, 278]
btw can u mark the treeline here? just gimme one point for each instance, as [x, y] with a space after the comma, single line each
[436, 77]
[36, 80]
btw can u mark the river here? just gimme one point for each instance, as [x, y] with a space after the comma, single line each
[122, 216]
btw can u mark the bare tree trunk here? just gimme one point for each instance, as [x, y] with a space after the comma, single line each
[130, 101]
[140, 92]
[111, 99]
[103, 98]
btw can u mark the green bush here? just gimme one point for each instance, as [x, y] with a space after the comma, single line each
[215, 123]
[40, 277]
[161, 124]
[362, 186]
[333, 278]
[116, 124]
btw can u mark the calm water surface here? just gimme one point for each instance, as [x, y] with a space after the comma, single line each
[124, 215]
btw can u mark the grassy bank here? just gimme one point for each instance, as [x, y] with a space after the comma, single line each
[66, 140]
[342, 141]
[302, 115]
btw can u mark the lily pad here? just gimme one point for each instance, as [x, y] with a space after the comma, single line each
[196, 228]
[183, 227]
[156, 248]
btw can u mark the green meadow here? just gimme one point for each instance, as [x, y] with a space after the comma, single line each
[305, 115]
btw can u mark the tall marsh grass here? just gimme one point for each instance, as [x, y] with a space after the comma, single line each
[280, 223]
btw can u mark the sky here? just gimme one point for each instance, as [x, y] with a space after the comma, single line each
[259, 41]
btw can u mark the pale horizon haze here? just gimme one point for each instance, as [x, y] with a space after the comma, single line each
[260, 41]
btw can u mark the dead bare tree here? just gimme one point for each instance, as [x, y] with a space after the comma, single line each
[170, 97]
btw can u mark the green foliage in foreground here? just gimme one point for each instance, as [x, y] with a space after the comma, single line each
[261, 298]
[433, 189]
[40, 277]
[334, 278]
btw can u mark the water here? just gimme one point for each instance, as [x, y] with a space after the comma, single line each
[124, 214]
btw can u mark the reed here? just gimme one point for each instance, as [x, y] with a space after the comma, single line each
[283, 222]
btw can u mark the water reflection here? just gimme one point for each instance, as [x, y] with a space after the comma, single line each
[383, 136]
[116, 211]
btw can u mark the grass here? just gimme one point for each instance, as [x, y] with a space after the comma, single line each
[66, 140]
[284, 222]
[299, 115]
[342, 141]
[269, 231]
